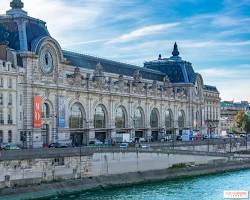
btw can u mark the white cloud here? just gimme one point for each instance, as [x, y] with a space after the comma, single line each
[144, 31]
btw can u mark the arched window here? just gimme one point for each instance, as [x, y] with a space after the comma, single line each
[45, 111]
[1, 116]
[1, 82]
[154, 122]
[99, 117]
[10, 99]
[76, 116]
[169, 120]
[138, 118]
[120, 118]
[181, 119]
[10, 116]
[1, 98]
[9, 136]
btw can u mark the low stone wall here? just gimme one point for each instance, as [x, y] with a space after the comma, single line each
[73, 186]
[13, 172]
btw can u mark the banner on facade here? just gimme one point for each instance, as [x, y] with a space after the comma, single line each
[37, 120]
[61, 112]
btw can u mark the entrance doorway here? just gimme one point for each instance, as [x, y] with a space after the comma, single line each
[155, 135]
[138, 135]
[78, 139]
[100, 136]
[45, 134]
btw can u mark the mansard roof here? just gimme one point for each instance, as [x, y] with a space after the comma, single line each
[210, 88]
[178, 70]
[16, 22]
[90, 62]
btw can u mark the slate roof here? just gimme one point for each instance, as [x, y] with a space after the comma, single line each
[90, 62]
[210, 88]
[9, 32]
[178, 71]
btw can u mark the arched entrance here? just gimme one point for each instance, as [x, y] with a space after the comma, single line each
[154, 124]
[181, 121]
[100, 123]
[78, 135]
[45, 125]
[45, 135]
[169, 124]
[139, 124]
[122, 134]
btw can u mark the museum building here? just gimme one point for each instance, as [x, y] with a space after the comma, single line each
[51, 95]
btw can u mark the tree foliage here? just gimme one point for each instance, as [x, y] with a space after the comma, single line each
[243, 121]
[239, 118]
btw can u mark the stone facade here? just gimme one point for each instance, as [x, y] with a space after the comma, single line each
[84, 98]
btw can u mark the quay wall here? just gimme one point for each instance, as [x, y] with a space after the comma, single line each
[117, 180]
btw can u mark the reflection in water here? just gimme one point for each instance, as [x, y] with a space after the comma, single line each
[201, 188]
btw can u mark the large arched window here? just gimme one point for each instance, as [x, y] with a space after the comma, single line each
[181, 119]
[99, 117]
[76, 116]
[120, 118]
[154, 122]
[45, 111]
[138, 118]
[169, 120]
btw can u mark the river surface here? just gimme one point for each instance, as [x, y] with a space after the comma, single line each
[201, 188]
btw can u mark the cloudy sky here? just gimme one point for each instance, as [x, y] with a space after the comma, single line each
[212, 34]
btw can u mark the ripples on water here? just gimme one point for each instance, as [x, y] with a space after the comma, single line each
[200, 188]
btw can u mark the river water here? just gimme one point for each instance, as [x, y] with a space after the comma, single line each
[201, 188]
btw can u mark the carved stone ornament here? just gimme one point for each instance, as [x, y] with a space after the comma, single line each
[99, 70]
[77, 95]
[154, 87]
[98, 77]
[47, 93]
[120, 84]
[166, 81]
[137, 76]
[76, 78]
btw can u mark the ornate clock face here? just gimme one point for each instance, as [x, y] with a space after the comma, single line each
[46, 62]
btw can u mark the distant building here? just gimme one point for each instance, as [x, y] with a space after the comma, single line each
[52, 95]
[229, 110]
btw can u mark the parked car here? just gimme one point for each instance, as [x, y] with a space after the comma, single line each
[59, 145]
[144, 146]
[95, 142]
[205, 136]
[2, 146]
[178, 138]
[11, 147]
[124, 145]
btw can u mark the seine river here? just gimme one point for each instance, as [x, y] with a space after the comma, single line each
[200, 188]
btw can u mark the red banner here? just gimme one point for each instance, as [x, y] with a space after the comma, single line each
[37, 120]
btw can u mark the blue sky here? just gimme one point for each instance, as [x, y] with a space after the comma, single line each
[212, 34]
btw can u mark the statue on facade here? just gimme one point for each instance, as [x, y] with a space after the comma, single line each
[166, 81]
[99, 77]
[137, 76]
[76, 78]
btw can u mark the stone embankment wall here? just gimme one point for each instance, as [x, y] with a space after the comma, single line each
[115, 180]
[34, 171]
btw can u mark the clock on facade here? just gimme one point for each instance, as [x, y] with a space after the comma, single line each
[46, 62]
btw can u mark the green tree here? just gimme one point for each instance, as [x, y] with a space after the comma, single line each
[246, 124]
[240, 118]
